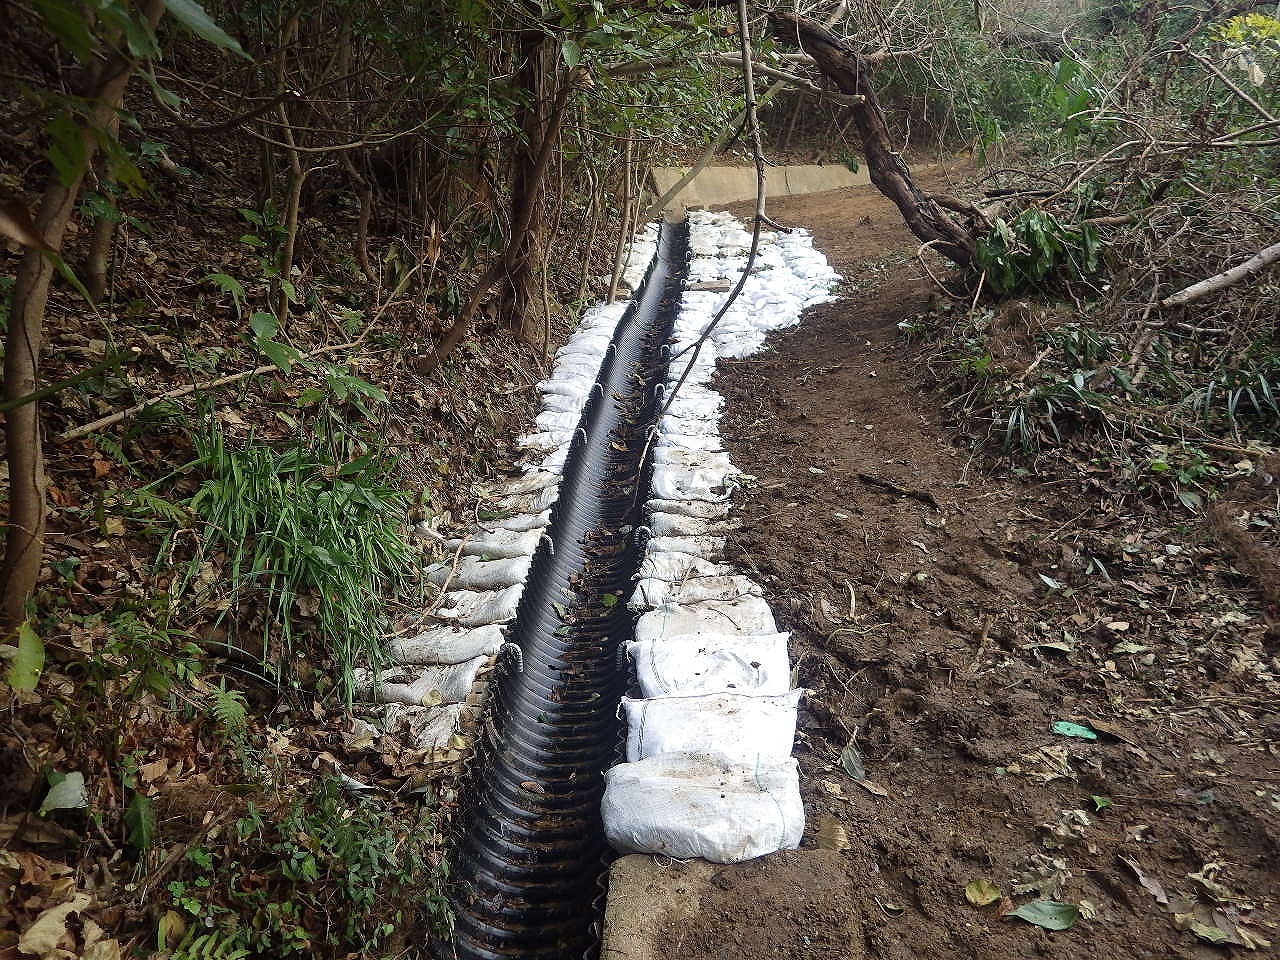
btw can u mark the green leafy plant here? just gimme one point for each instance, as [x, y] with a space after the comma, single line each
[328, 877]
[1048, 408]
[1036, 251]
[312, 543]
[229, 710]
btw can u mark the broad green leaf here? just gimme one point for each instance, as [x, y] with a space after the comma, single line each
[67, 794]
[140, 822]
[69, 24]
[264, 325]
[24, 672]
[66, 148]
[851, 761]
[193, 16]
[280, 354]
[1049, 914]
[139, 38]
[571, 53]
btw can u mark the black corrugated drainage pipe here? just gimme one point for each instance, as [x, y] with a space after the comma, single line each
[531, 854]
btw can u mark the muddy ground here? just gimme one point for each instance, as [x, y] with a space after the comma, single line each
[945, 613]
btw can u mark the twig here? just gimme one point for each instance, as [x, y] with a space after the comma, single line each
[924, 496]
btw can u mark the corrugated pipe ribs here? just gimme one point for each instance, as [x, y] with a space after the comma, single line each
[639, 694]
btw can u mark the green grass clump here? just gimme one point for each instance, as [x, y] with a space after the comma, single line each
[311, 545]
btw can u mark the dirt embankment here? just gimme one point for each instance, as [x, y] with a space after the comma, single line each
[945, 618]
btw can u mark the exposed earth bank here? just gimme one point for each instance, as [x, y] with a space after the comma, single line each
[946, 613]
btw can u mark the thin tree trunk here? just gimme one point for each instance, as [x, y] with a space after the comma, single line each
[537, 79]
[97, 262]
[851, 74]
[461, 326]
[24, 533]
[624, 228]
[297, 177]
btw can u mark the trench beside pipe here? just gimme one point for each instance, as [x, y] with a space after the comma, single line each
[531, 856]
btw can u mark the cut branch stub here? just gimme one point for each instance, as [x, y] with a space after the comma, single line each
[849, 71]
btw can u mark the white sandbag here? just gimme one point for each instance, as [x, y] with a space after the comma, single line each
[544, 440]
[446, 644]
[671, 565]
[651, 593]
[476, 573]
[565, 402]
[702, 546]
[520, 523]
[552, 421]
[679, 525]
[423, 686]
[686, 441]
[576, 387]
[498, 544]
[687, 426]
[693, 459]
[534, 502]
[532, 482]
[747, 616]
[746, 729]
[687, 807]
[671, 482]
[475, 608]
[712, 663]
[556, 460]
[702, 509]
[695, 407]
[428, 728]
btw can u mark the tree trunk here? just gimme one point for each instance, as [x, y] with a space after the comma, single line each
[24, 534]
[97, 263]
[537, 79]
[851, 74]
[524, 214]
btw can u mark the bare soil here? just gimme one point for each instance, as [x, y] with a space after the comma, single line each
[945, 613]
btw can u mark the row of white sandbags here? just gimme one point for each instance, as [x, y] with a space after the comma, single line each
[709, 771]
[435, 672]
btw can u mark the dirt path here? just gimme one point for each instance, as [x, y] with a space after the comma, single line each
[915, 586]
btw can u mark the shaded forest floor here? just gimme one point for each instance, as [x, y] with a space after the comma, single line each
[947, 608]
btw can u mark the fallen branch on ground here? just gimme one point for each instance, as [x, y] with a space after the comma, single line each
[1227, 278]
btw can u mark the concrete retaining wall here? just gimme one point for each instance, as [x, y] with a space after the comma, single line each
[718, 185]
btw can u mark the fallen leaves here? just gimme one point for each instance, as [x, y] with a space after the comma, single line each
[1049, 914]
[831, 835]
[981, 893]
[40, 939]
[1148, 883]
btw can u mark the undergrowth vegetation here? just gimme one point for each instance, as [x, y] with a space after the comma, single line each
[315, 258]
[324, 872]
[1129, 153]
